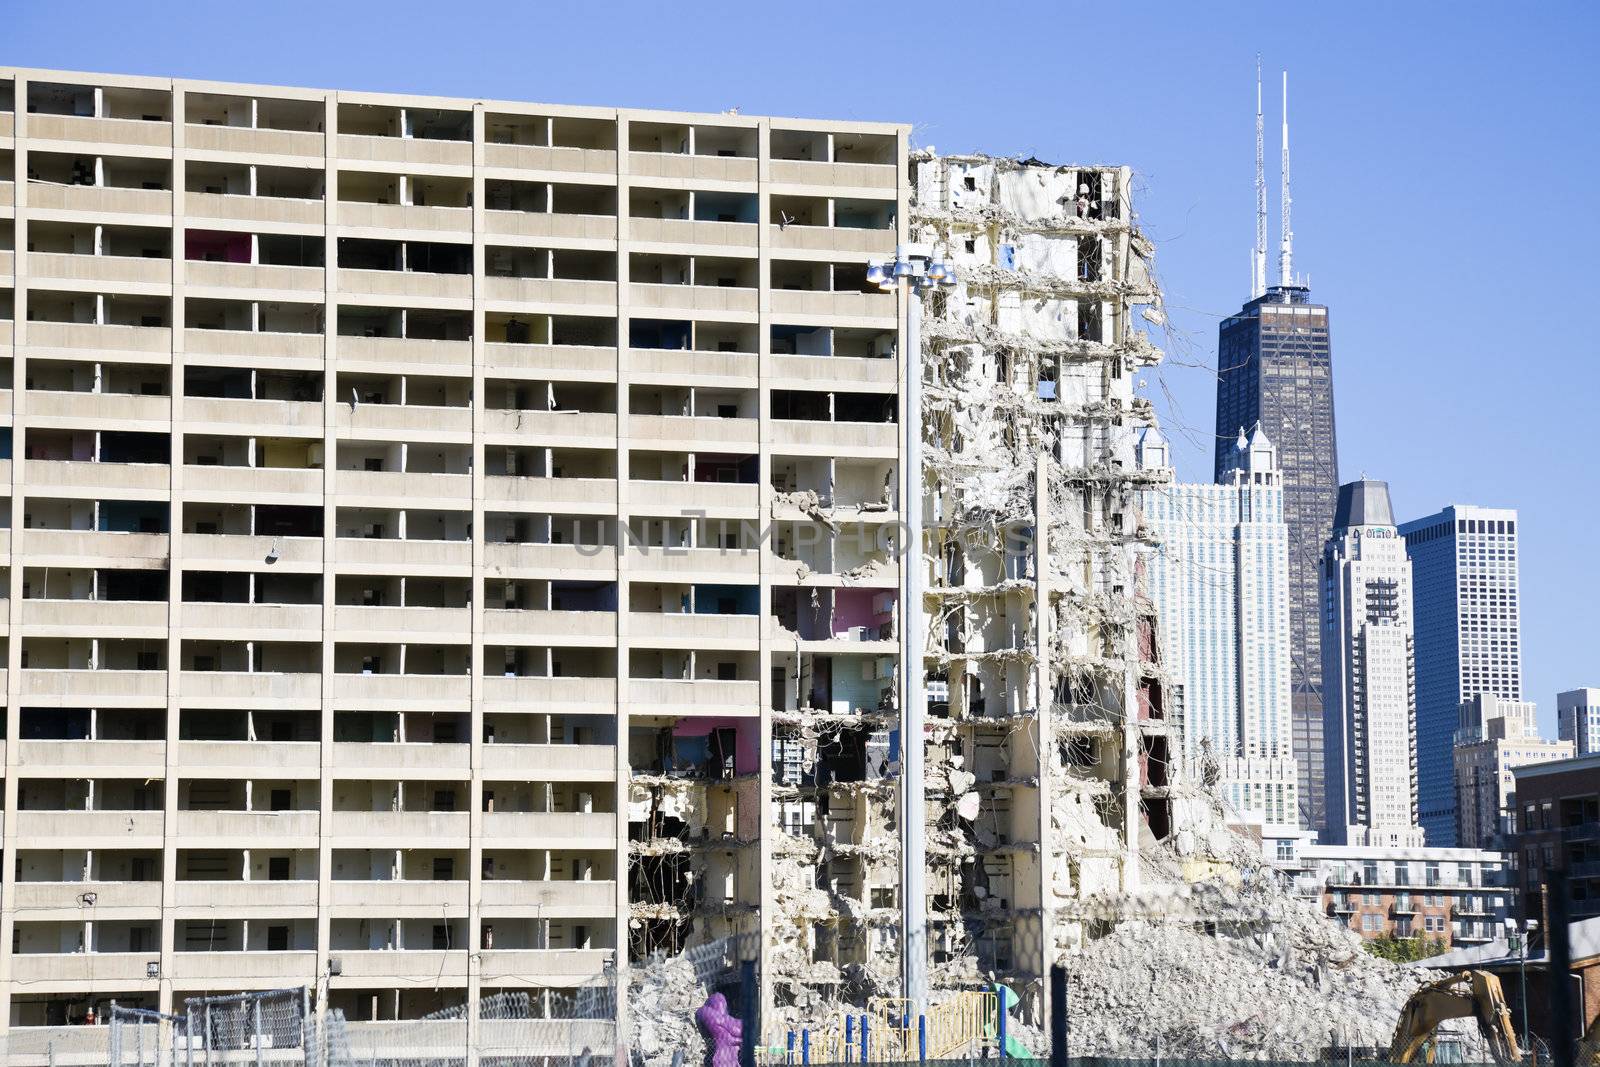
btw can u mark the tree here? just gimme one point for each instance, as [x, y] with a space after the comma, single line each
[1404, 949]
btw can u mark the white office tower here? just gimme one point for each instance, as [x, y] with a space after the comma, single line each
[1219, 578]
[1369, 675]
[1578, 718]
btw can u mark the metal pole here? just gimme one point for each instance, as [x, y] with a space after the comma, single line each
[257, 1022]
[1058, 1016]
[1000, 1026]
[805, 1047]
[749, 1014]
[1564, 1025]
[913, 703]
[849, 1035]
[863, 1039]
[1522, 944]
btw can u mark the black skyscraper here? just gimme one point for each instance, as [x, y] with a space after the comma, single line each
[1275, 366]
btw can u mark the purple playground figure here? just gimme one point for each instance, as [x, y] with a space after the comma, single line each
[723, 1029]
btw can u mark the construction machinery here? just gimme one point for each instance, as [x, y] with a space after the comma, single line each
[1469, 993]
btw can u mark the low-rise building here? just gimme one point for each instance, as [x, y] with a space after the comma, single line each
[1558, 826]
[1495, 735]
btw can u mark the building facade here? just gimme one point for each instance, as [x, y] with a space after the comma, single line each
[1275, 370]
[1495, 736]
[1368, 675]
[1220, 581]
[1578, 718]
[1466, 607]
[406, 573]
[1558, 827]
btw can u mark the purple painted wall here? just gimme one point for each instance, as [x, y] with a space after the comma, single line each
[853, 607]
[216, 245]
[747, 753]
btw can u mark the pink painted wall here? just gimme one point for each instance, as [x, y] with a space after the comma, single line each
[214, 244]
[747, 750]
[853, 607]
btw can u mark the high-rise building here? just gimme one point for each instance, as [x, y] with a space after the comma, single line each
[1495, 736]
[1275, 370]
[1369, 675]
[1465, 607]
[1578, 718]
[1219, 578]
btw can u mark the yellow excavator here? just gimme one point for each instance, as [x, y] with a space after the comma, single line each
[1474, 993]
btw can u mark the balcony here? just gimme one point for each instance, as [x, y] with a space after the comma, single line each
[222, 829]
[412, 896]
[845, 239]
[392, 218]
[573, 292]
[577, 362]
[539, 224]
[407, 285]
[204, 414]
[550, 627]
[447, 828]
[551, 763]
[252, 622]
[542, 968]
[595, 429]
[730, 370]
[394, 692]
[361, 968]
[112, 759]
[395, 489]
[243, 140]
[101, 200]
[357, 622]
[256, 280]
[523, 157]
[257, 485]
[72, 410]
[551, 900]
[729, 566]
[879, 439]
[716, 236]
[691, 433]
[90, 829]
[272, 210]
[410, 759]
[66, 687]
[83, 340]
[248, 689]
[245, 552]
[683, 498]
[95, 618]
[121, 273]
[691, 168]
[121, 481]
[552, 829]
[353, 146]
[246, 899]
[245, 348]
[717, 299]
[834, 176]
[408, 355]
[697, 696]
[837, 372]
[411, 422]
[111, 899]
[92, 548]
[506, 560]
[662, 630]
[556, 696]
[244, 759]
[258, 970]
[394, 555]
[597, 495]
[96, 133]
[878, 307]
[72, 972]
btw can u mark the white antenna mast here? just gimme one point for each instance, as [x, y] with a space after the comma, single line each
[1286, 251]
[1258, 264]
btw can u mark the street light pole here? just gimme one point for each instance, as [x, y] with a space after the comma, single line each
[913, 271]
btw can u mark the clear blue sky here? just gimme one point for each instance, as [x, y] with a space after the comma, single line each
[1445, 182]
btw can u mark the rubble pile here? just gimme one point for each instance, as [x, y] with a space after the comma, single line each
[663, 995]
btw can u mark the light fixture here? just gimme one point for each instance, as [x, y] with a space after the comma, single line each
[875, 273]
[903, 269]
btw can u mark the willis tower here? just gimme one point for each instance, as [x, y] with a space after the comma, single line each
[1275, 367]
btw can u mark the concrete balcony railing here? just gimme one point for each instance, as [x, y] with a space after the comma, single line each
[248, 689]
[574, 494]
[554, 695]
[417, 826]
[231, 415]
[110, 898]
[361, 622]
[252, 622]
[569, 428]
[837, 438]
[401, 759]
[8, 191]
[523, 157]
[397, 555]
[552, 829]
[880, 307]
[238, 759]
[693, 232]
[551, 899]
[99, 200]
[695, 432]
[411, 421]
[598, 627]
[694, 168]
[246, 828]
[244, 140]
[847, 371]
[577, 292]
[405, 284]
[87, 548]
[95, 618]
[398, 965]
[289, 485]
[660, 629]
[274, 210]
[543, 967]
[798, 238]
[229, 551]
[405, 896]
[551, 224]
[736, 370]
[506, 559]
[355, 214]
[98, 132]
[353, 146]
[90, 829]
[61, 971]
[403, 490]
[715, 298]
[114, 480]
[249, 348]
[409, 354]
[876, 176]
[678, 498]
[698, 564]
[264, 898]
[72, 409]
[72, 687]
[396, 691]
[590, 363]
[304, 282]
[139, 759]
[84, 339]
[131, 272]
[708, 696]
[554, 763]
[258, 969]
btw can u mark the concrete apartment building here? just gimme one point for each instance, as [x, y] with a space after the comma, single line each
[403, 549]
[1578, 718]
[1467, 610]
[1495, 736]
[1220, 581]
[449, 549]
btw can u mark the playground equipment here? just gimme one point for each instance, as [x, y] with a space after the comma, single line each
[889, 1031]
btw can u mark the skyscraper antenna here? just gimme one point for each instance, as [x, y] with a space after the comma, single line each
[1286, 250]
[1258, 263]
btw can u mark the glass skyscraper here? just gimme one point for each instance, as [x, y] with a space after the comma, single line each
[1275, 369]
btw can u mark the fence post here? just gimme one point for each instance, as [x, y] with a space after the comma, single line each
[789, 1057]
[922, 1039]
[1000, 993]
[188, 1034]
[1058, 1016]
[805, 1048]
[750, 1013]
[863, 1039]
[256, 1004]
[849, 1036]
[1564, 1025]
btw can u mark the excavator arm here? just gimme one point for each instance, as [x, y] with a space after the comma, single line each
[1470, 993]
